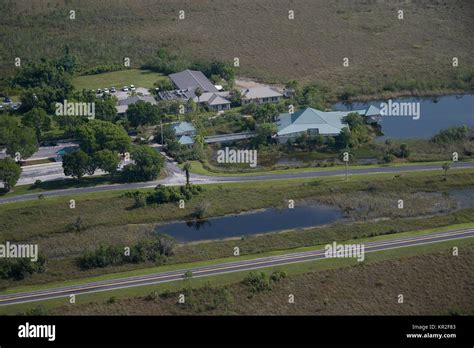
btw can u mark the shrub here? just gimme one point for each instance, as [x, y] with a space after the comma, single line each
[257, 282]
[276, 276]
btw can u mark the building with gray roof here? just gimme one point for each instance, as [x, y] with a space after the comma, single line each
[312, 122]
[123, 104]
[191, 79]
[260, 95]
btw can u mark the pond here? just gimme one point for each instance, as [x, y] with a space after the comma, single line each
[436, 113]
[262, 221]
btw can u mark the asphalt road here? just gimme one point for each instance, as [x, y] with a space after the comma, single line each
[175, 176]
[223, 268]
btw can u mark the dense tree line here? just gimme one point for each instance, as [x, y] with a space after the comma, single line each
[167, 63]
[164, 194]
[21, 268]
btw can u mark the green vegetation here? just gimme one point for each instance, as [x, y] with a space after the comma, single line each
[147, 164]
[9, 173]
[431, 264]
[258, 282]
[18, 269]
[111, 218]
[20, 141]
[97, 135]
[164, 194]
[77, 164]
[420, 66]
[137, 77]
[167, 63]
[453, 135]
[154, 250]
[142, 113]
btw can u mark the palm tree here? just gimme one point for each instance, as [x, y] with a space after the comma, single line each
[187, 168]
[198, 92]
[403, 149]
[446, 166]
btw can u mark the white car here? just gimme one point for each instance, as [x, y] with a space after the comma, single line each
[125, 88]
[112, 90]
[132, 87]
[106, 91]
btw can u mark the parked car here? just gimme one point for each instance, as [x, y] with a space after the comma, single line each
[113, 90]
[125, 88]
[99, 91]
[106, 90]
[8, 100]
[16, 106]
[132, 87]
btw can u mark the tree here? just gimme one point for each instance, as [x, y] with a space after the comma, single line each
[68, 61]
[37, 119]
[105, 109]
[44, 83]
[9, 173]
[198, 92]
[446, 167]
[344, 140]
[404, 150]
[23, 142]
[77, 164]
[266, 112]
[187, 168]
[97, 135]
[264, 134]
[452, 135]
[235, 98]
[142, 113]
[147, 164]
[354, 120]
[106, 160]
[7, 125]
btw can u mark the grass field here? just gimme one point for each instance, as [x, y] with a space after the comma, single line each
[333, 286]
[381, 48]
[198, 167]
[117, 79]
[109, 219]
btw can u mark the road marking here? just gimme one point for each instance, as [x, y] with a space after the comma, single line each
[292, 258]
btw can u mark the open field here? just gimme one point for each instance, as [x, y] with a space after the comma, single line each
[382, 49]
[53, 215]
[206, 168]
[109, 219]
[139, 78]
[332, 286]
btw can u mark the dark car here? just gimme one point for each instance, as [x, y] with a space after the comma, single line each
[8, 100]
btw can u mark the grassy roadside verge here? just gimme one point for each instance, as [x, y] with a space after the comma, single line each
[51, 215]
[197, 167]
[190, 265]
[230, 278]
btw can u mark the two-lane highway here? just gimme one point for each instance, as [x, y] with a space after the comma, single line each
[176, 177]
[229, 267]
